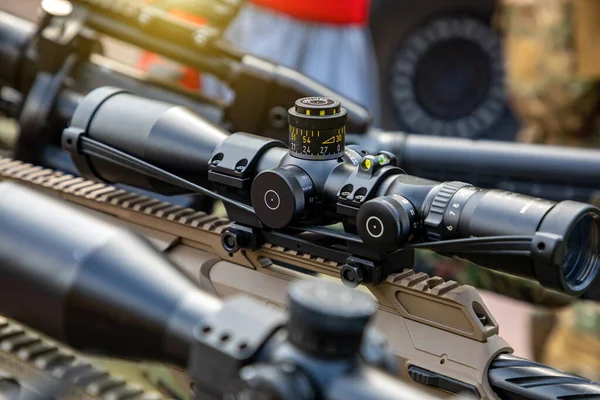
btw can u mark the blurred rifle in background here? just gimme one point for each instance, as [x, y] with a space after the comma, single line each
[62, 51]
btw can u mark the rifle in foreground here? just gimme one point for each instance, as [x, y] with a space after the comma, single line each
[112, 291]
[97, 286]
[290, 196]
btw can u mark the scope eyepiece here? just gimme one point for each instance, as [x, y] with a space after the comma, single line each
[317, 128]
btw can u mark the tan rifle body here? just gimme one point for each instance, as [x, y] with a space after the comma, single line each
[440, 326]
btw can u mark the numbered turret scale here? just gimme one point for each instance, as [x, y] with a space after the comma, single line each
[317, 128]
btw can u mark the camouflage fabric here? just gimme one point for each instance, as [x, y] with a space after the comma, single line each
[556, 105]
[467, 273]
[574, 343]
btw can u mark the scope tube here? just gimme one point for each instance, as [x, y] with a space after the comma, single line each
[88, 283]
[168, 136]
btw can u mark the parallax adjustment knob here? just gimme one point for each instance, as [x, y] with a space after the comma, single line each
[281, 196]
[386, 223]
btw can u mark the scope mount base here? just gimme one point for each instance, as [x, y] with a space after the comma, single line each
[360, 265]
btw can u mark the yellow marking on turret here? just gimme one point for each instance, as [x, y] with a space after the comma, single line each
[331, 140]
[322, 112]
[318, 133]
[307, 112]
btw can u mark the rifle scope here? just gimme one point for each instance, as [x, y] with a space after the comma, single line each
[317, 183]
[96, 286]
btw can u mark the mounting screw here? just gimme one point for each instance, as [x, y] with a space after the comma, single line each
[233, 240]
[352, 275]
[217, 158]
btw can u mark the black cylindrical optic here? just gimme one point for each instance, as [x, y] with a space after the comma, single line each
[565, 247]
[170, 137]
[91, 284]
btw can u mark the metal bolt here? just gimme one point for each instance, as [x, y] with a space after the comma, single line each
[352, 275]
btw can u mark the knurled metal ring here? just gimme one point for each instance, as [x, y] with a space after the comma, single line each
[435, 217]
